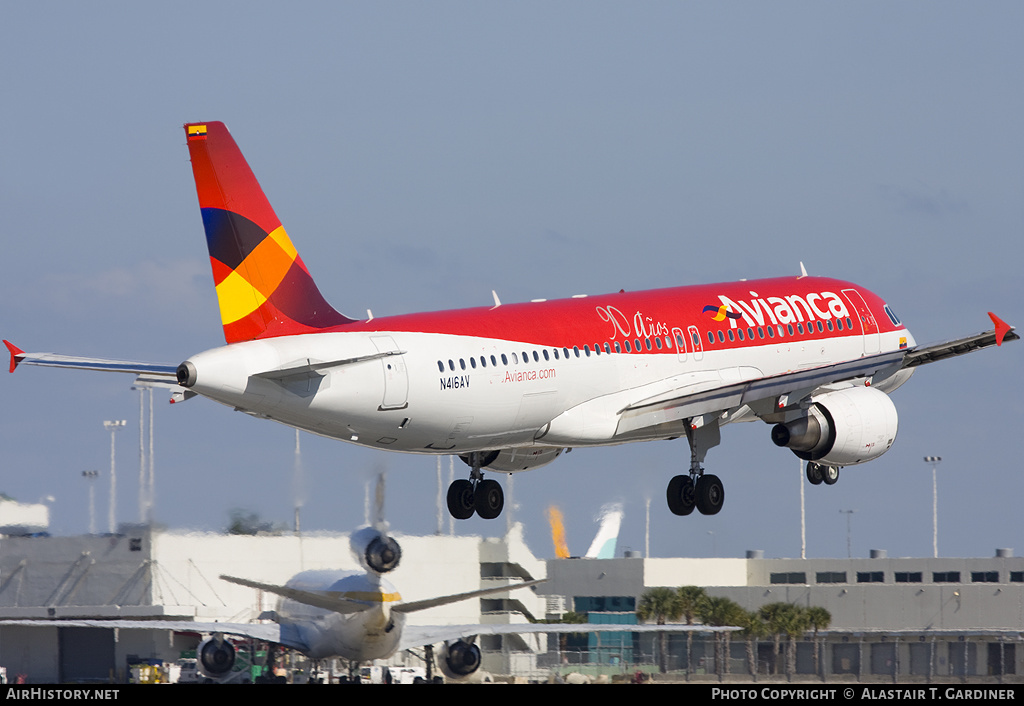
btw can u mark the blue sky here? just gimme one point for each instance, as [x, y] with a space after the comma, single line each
[422, 154]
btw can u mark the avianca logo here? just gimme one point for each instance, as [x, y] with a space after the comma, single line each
[718, 313]
[785, 310]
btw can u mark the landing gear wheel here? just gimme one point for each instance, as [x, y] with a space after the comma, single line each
[710, 494]
[461, 503]
[681, 500]
[814, 474]
[489, 499]
[830, 474]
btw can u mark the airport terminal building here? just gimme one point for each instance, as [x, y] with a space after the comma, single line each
[142, 573]
[891, 618]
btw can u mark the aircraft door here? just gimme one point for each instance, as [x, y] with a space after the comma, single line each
[698, 346]
[680, 339]
[868, 325]
[396, 376]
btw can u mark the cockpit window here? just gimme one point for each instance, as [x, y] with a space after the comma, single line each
[892, 317]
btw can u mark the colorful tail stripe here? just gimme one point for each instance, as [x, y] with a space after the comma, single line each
[263, 287]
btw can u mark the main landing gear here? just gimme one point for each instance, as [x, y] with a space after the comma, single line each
[482, 496]
[699, 490]
[706, 494]
[818, 473]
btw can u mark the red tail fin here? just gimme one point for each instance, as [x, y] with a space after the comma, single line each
[263, 287]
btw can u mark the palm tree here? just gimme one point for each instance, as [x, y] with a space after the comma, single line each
[691, 598]
[779, 619]
[718, 611]
[819, 619]
[661, 605]
[753, 628]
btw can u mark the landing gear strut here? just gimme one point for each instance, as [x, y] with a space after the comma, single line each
[484, 497]
[699, 490]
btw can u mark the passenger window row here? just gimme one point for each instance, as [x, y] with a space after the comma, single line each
[637, 345]
[740, 334]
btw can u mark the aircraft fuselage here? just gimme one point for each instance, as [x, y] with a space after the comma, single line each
[544, 374]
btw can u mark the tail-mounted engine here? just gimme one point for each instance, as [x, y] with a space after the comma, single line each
[375, 550]
[216, 656]
[842, 428]
[459, 659]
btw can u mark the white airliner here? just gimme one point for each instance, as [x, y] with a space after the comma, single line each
[509, 387]
[356, 615]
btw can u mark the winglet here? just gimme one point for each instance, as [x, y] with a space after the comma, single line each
[1002, 328]
[16, 354]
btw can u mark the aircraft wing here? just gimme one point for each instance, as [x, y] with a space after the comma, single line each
[688, 400]
[677, 404]
[948, 349]
[420, 635]
[268, 632]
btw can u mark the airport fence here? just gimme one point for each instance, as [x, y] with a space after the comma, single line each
[993, 656]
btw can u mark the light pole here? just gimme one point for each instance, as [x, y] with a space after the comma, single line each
[91, 477]
[848, 513]
[935, 461]
[113, 426]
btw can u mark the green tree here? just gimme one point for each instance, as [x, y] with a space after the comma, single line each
[753, 628]
[819, 619]
[789, 620]
[660, 605]
[719, 611]
[691, 598]
[249, 522]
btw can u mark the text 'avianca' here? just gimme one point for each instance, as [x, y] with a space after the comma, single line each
[788, 309]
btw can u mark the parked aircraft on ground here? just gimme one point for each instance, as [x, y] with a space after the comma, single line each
[356, 615]
[509, 387]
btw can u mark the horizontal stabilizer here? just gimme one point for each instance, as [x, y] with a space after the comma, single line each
[151, 371]
[413, 606]
[327, 600]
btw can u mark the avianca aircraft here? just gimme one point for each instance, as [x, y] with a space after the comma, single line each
[509, 387]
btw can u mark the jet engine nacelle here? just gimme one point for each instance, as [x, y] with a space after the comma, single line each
[842, 427]
[216, 657]
[375, 550]
[459, 659]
